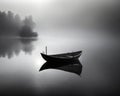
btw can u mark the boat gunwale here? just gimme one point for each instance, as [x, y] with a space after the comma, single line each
[62, 54]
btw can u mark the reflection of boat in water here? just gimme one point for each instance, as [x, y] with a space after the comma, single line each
[65, 57]
[73, 67]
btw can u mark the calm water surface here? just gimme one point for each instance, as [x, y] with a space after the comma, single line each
[20, 61]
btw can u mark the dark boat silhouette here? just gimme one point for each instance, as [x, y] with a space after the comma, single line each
[73, 67]
[65, 57]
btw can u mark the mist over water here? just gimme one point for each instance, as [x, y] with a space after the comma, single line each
[20, 74]
[12, 25]
[63, 26]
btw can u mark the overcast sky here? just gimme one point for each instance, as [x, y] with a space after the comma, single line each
[93, 14]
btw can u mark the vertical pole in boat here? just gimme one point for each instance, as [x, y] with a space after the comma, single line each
[46, 50]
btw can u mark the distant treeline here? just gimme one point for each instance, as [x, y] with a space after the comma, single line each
[13, 25]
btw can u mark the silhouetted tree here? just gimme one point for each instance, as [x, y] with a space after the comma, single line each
[12, 25]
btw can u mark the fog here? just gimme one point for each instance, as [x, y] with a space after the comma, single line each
[12, 25]
[92, 26]
[83, 14]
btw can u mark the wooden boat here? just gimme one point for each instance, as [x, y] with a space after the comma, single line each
[65, 57]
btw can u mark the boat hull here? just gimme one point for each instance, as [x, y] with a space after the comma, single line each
[67, 57]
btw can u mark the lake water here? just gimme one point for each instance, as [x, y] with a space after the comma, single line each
[20, 61]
